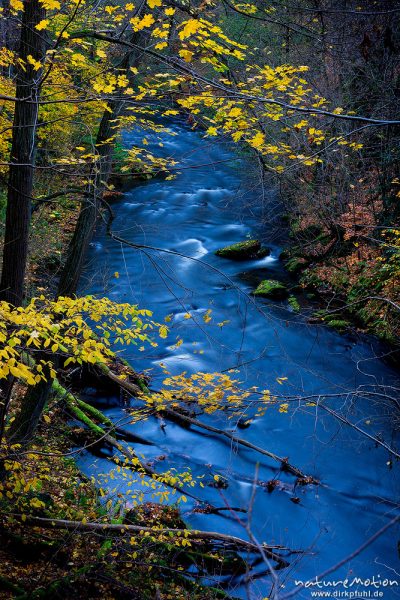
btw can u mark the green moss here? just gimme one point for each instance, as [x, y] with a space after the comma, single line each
[339, 324]
[294, 265]
[293, 303]
[270, 288]
[3, 206]
[243, 250]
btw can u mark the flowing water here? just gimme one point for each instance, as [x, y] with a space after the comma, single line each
[211, 203]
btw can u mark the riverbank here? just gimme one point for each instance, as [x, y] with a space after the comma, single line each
[355, 285]
[41, 562]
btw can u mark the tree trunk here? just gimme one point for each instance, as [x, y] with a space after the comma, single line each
[36, 397]
[22, 158]
[91, 205]
[20, 182]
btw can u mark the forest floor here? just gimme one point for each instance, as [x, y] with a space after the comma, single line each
[37, 562]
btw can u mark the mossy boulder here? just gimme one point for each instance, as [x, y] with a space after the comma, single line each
[270, 288]
[331, 320]
[247, 250]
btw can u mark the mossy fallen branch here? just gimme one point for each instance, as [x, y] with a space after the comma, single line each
[94, 412]
[75, 406]
[71, 402]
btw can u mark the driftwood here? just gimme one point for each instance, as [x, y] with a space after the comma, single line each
[121, 529]
[136, 391]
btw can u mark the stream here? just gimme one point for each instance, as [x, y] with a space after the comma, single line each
[215, 201]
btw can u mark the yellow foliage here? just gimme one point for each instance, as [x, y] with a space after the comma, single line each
[16, 5]
[81, 330]
[42, 25]
[189, 28]
[50, 4]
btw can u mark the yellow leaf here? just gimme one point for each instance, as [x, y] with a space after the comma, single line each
[257, 141]
[50, 4]
[16, 5]
[35, 63]
[163, 331]
[187, 55]
[235, 112]
[42, 25]
[139, 24]
[154, 3]
[189, 28]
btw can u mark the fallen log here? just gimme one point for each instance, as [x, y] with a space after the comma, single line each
[121, 529]
[87, 408]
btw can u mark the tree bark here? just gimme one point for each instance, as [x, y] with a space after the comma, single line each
[22, 159]
[108, 528]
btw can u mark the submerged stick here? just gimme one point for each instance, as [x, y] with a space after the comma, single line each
[237, 440]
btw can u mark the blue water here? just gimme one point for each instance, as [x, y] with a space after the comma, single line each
[215, 201]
